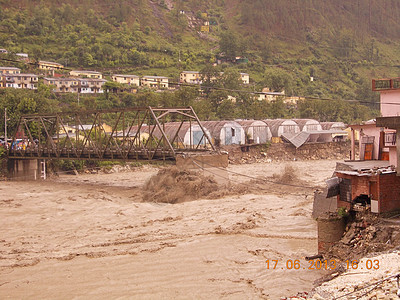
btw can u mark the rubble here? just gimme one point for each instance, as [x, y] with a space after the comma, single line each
[266, 153]
[366, 234]
[370, 239]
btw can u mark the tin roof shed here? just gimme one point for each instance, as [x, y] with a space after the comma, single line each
[308, 124]
[257, 132]
[225, 132]
[333, 125]
[183, 135]
[281, 126]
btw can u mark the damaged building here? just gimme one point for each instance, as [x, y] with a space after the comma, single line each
[373, 181]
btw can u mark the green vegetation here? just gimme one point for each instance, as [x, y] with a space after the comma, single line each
[340, 45]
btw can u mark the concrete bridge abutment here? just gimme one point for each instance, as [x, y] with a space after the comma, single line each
[26, 169]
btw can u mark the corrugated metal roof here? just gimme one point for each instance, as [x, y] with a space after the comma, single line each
[275, 124]
[305, 122]
[251, 123]
[296, 139]
[215, 127]
[329, 125]
[171, 129]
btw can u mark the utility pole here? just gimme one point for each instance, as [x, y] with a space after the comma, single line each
[5, 127]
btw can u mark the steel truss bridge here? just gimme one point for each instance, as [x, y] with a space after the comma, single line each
[118, 134]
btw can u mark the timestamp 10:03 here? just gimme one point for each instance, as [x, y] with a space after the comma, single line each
[331, 264]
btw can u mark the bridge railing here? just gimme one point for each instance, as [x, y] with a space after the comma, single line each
[118, 134]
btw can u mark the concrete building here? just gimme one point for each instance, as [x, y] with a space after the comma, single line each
[158, 82]
[10, 70]
[48, 65]
[245, 78]
[132, 80]
[88, 74]
[19, 81]
[76, 85]
[193, 77]
[372, 182]
[63, 85]
[91, 85]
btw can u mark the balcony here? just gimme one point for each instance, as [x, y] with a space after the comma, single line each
[385, 84]
[390, 139]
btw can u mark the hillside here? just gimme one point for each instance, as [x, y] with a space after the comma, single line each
[341, 44]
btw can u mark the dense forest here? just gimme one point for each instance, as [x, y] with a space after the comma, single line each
[313, 48]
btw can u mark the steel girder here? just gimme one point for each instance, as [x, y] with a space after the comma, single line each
[117, 134]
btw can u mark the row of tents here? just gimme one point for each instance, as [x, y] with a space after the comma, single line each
[295, 131]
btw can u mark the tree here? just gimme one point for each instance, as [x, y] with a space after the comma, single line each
[278, 80]
[228, 44]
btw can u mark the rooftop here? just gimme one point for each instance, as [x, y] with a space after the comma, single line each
[159, 77]
[122, 75]
[361, 166]
[191, 72]
[9, 68]
[86, 72]
[49, 62]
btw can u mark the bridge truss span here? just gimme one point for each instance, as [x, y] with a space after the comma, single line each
[119, 134]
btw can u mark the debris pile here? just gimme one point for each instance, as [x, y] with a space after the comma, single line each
[367, 234]
[239, 154]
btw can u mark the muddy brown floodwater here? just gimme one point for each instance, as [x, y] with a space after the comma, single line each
[93, 236]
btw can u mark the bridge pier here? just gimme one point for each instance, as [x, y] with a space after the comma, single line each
[26, 169]
[213, 165]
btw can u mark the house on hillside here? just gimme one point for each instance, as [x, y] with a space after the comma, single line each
[190, 77]
[19, 81]
[23, 55]
[63, 85]
[158, 82]
[268, 95]
[76, 85]
[132, 80]
[245, 78]
[88, 74]
[48, 65]
[10, 70]
[91, 85]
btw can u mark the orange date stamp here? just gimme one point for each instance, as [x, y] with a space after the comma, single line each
[325, 264]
